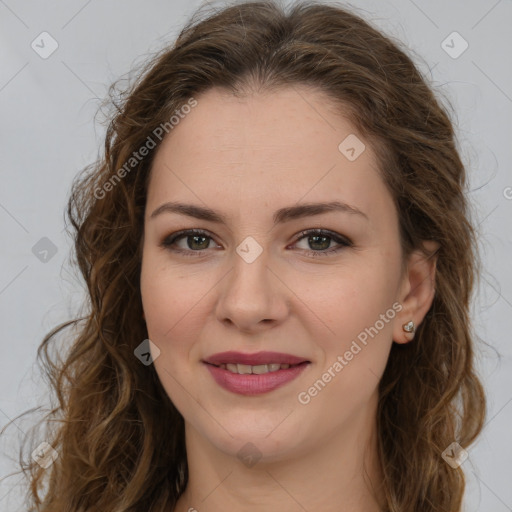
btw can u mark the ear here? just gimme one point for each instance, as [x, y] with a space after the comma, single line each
[417, 290]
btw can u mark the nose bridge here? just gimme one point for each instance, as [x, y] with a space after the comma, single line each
[251, 292]
[249, 281]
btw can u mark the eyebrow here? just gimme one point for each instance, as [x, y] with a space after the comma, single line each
[280, 216]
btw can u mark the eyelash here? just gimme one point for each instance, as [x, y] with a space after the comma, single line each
[343, 241]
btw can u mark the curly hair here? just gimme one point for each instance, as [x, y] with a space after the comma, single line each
[119, 438]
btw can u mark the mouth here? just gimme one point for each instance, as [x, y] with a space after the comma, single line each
[257, 359]
[260, 369]
[252, 374]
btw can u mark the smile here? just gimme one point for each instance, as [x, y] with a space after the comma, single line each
[254, 380]
[247, 369]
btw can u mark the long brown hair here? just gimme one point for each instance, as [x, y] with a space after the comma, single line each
[120, 440]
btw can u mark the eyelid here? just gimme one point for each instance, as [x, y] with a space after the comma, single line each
[183, 233]
[339, 238]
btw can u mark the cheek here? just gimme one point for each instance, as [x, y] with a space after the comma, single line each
[357, 310]
[352, 299]
[355, 356]
[176, 304]
[172, 307]
[170, 297]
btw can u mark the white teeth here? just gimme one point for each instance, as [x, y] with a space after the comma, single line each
[246, 369]
[261, 368]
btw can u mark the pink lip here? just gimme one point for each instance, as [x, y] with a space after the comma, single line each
[253, 359]
[250, 384]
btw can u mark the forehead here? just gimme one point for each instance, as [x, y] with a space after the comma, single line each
[278, 147]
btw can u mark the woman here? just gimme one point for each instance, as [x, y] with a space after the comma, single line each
[279, 261]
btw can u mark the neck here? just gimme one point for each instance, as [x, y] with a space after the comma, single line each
[340, 473]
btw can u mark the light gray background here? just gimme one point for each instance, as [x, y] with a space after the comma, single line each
[48, 134]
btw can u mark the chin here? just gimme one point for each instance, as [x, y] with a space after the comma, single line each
[268, 441]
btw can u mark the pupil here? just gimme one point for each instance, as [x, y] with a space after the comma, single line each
[315, 238]
[198, 237]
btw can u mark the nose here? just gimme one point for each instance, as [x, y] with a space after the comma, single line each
[253, 297]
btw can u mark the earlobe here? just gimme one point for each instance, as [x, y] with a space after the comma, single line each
[417, 291]
[409, 329]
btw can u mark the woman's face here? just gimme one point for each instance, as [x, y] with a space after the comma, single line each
[251, 281]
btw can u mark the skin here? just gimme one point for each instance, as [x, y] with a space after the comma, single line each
[246, 158]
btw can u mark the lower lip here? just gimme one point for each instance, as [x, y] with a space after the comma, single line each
[250, 384]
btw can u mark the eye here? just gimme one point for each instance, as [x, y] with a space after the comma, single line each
[321, 239]
[197, 241]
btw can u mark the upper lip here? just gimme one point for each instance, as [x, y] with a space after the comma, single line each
[253, 359]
